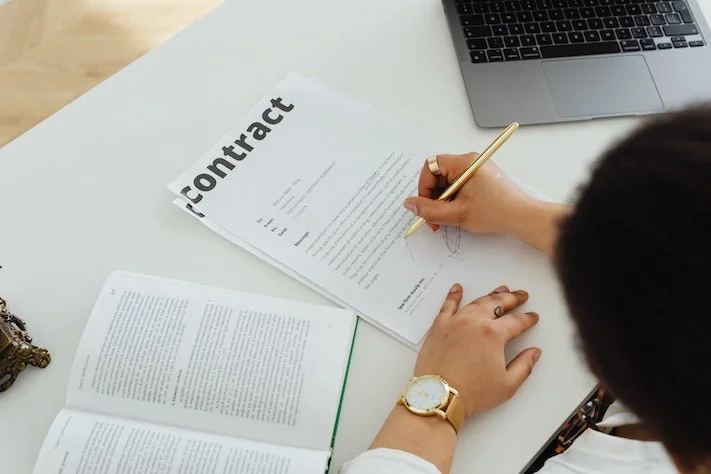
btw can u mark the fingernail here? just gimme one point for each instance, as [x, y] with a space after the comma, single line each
[537, 355]
[501, 289]
[533, 313]
[521, 292]
[433, 227]
[456, 287]
[410, 207]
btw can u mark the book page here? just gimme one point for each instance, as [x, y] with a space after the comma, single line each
[326, 182]
[213, 360]
[85, 443]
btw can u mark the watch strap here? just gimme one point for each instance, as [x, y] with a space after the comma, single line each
[455, 413]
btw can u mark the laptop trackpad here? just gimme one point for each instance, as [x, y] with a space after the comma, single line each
[602, 86]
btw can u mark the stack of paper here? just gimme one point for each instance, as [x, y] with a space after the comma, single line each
[313, 183]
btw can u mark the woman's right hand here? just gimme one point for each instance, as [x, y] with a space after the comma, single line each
[489, 203]
[485, 204]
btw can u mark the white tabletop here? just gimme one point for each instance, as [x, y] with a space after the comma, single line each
[84, 192]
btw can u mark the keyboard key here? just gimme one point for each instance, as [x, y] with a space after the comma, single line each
[623, 34]
[571, 13]
[478, 43]
[528, 5]
[495, 55]
[584, 49]
[664, 7]
[564, 25]
[587, 13]
[478, 56]
[560, 3]
[682, 9]
[481, 8]
[530, 53]
[639, 32]
[465, 9]
[508, 17]
[544, 39]
[477, 31]
[497, 7]
[532, 28]
[576, 37]
[500, 30]
[603, 12]
[657, 19]
[649, 8]
[626, 21]
[592, 36]
[630, 46]
[648, 44]
[495, 43]
[641, 21]
[513, 5]
[472, 20]
[673, 18]
[596, 24]
[512, 42]
[516, 29]
[655, 32]
[680, 44]
[618, 11]
[580, 25]
[634, 10]
[492, 18]
[511, 54]
[548, 27]
[592, 3]
[611, 23]
[664, 46]
[540, 15]
[608, 35]
[696, 44]
[556, 15]
[560, 38]
[680, 30]
[528, 40]
[524, 17]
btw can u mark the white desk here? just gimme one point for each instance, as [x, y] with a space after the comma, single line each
[84, 192]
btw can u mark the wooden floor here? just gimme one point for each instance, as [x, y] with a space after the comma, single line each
[52, 51]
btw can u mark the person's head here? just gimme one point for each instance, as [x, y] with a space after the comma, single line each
[634, 259]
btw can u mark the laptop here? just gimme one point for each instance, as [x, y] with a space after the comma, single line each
[545, 61]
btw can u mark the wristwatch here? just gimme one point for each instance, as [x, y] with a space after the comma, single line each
[430, 395]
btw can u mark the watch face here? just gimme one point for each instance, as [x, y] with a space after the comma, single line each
[426, 393]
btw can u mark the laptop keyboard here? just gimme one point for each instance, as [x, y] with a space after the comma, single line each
[516, 30]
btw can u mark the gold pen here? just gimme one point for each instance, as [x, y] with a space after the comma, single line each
[468, 173]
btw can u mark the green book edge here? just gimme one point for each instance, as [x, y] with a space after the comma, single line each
[343, 393]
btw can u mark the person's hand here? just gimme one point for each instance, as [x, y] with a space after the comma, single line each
[486, 203]
[466, 347]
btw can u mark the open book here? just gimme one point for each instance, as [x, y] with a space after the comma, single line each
[173, 377]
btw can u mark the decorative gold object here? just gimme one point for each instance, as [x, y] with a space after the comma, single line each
[16, 348]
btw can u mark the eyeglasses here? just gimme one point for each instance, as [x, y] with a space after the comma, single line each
[588, 416]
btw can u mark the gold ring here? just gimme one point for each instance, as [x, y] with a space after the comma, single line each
[433, 165]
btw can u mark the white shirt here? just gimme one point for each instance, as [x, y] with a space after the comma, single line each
[592, 453]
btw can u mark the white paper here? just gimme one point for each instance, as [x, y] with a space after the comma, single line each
[82, 443]
[271, 261]
[321, 192]
[214, 360]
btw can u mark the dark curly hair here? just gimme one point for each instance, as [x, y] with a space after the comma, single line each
[634, 259]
